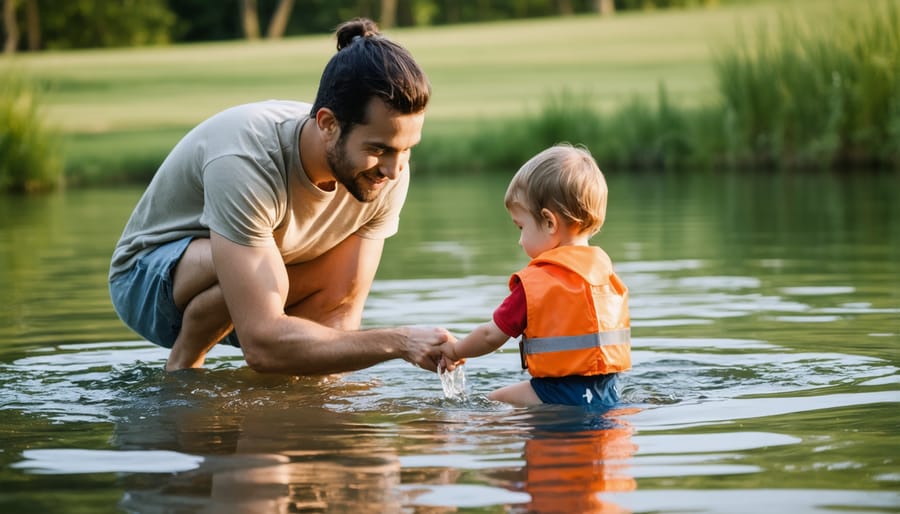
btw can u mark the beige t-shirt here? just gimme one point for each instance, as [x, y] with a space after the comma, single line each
[239, 174]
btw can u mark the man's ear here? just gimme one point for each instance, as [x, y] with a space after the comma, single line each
[549, 220]
[328, 124]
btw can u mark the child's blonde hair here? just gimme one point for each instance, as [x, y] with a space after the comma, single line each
[565, 180]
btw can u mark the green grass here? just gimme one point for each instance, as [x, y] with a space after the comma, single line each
[29, 149]
[814, 93]
[121, 110]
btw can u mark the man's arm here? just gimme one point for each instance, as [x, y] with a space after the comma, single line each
[255, 285]
[332, 289]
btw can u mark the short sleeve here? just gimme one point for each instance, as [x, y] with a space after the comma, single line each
[242, 200]
[511, 316]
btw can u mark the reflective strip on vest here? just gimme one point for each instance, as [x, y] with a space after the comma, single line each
[562, 343]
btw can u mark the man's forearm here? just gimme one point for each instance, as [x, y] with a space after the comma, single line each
[301, 347]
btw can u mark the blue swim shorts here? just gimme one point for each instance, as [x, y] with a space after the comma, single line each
[594, 392]
[144, 300]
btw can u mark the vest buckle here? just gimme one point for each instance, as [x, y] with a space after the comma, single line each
[522, 352]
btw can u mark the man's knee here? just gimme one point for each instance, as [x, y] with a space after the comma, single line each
[334, 307]
[332, 288]
[194, 273]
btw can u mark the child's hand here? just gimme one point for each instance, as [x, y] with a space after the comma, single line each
[449, 360]
[449, 364]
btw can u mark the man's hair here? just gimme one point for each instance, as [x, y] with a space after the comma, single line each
[369, 65]
[567, 181]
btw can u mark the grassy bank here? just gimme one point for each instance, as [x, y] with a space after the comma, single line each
[633, 88]
[814, 92]
[808, 90]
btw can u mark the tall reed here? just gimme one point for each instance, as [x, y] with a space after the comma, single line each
[815, 92]
[641, 134]
[30, 155]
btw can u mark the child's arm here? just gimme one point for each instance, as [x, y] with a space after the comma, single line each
[486, 338]
[483, 340]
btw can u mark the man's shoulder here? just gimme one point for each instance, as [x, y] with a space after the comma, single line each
[268, 110]
[259, 131]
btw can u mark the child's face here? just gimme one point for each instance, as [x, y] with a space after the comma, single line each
[534, 237]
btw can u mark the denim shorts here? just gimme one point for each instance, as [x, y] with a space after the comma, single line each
[144, 300]
[594, 392]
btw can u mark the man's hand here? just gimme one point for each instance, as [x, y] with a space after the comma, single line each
[449, 358]
[422, 346]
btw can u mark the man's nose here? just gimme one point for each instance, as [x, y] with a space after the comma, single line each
[391, 167]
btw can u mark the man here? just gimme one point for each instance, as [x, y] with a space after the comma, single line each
[264, 226]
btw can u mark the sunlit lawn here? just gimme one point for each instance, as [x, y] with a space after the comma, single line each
[118, 105]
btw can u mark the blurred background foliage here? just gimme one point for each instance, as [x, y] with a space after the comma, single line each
[750, 84]
[31, 25]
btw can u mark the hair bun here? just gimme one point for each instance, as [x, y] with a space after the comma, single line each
[362, 27]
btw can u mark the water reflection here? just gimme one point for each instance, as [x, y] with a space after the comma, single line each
[229, 440]
[765, 368]
[565, 471]
[270, 461]
[267, 445]
[245, 443]
[568, 458]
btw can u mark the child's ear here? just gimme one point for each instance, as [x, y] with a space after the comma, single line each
[549, 221]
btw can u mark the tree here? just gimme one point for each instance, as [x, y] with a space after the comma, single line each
[10, 26]
[250, 19]
[280, 19]
[104, 23]
[277, 23]
[388, 14]
[200, 20]
[452, 11]
[33, 25]
[605, 7]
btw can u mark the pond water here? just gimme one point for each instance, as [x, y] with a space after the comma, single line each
[766, 323]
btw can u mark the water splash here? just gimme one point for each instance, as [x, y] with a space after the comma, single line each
[453, 383]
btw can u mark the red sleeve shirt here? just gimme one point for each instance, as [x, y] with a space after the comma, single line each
[511, 316]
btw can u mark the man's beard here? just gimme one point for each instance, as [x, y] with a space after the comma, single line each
[342, 168]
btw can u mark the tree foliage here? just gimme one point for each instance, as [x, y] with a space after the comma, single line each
[105, 23]
[57, 24]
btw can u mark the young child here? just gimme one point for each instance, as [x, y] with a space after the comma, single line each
[569, 306]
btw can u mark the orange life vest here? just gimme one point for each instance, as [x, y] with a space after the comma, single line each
[577, 314]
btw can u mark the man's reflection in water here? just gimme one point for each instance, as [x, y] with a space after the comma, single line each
[267, 459]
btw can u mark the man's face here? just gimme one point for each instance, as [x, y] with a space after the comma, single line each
[370, 154]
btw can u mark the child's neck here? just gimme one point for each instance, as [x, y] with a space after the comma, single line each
[573, 238]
